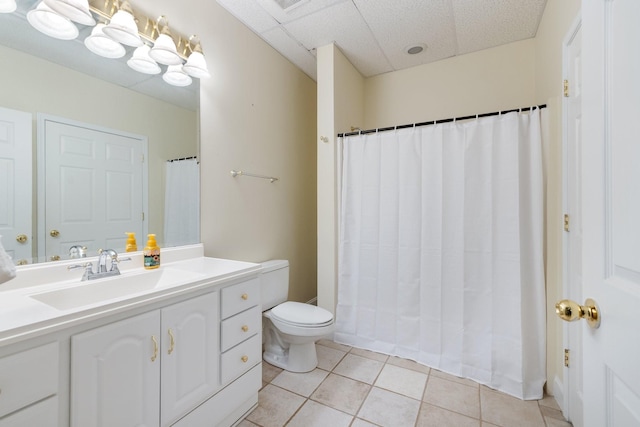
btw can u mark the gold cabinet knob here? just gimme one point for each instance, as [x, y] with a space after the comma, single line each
[570, 311]
[245, 328]
[21, 238]
[244, 359]
[55, 258]
[245, 296]
[22, 262]
[54, 233]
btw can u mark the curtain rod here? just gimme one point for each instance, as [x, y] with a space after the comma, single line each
[182, 158]
[433, 122]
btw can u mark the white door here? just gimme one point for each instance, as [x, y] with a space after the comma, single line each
[16, 184]
[573, 388]
[115, 374]
[190, 348]
[611, 210]
[93, 187]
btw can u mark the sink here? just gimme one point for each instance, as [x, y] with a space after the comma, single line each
[127, 284]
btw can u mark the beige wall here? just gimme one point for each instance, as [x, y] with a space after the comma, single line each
[556, 22]
[340, 106]
[258, 114]
[489, 80]
[39, 86]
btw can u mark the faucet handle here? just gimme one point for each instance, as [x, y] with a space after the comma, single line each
[88, 272]
[115, 261]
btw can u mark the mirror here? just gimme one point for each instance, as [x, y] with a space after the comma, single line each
[40, 74]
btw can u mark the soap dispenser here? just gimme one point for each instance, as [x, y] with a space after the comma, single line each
[131, 245]
[151, 253]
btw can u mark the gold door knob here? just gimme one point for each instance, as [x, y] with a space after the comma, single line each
[22, 262]
[54, 233]
[570, 311]
[245, 297]
[244, 359]
[21, 238]
[55, 258]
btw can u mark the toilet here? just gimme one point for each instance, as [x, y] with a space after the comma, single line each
[290, 329]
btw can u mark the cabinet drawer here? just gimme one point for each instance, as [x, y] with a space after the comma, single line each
[240, 297]
[27, 377]
[240, 327]
[241, 358]
[42, 414]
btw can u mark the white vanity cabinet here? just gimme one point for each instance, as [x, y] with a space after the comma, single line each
[28, 387]
[148, 370]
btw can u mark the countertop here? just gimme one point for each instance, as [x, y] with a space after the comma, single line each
[22, 316]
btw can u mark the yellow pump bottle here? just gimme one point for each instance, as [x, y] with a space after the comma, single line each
[131, 245]
[151, 253]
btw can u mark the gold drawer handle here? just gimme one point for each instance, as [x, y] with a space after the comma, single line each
[245, 296]
[172, 342]
[244, 359]
[155, 348]
[245, 328]
[21, 238]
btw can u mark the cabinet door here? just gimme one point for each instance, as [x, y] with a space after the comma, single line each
[115, 374]
[190, 348]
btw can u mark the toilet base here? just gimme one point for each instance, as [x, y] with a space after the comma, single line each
[297, 358]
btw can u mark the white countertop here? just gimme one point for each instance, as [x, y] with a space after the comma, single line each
[22, 316]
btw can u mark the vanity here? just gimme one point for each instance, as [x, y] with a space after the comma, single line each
[177, 346]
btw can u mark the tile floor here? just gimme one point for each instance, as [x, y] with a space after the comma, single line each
[359, 388]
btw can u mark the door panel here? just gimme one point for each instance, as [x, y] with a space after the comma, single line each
[611, 208]
[15, 183]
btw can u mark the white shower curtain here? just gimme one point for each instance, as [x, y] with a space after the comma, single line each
[441, 258]
[182, 203]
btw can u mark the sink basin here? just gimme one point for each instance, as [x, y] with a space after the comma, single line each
[118, 287]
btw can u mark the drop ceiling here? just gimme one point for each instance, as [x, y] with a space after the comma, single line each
[375, 34]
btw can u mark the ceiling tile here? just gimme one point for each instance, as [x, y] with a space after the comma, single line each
[489, 23]
[403, 23]
[250, 13]
[342, 24]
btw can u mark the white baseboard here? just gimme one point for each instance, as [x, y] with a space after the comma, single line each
[558, 393]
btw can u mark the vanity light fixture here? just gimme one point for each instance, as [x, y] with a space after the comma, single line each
[175, 76]
[196, 66]
[102, 45]
[142, 62]
[8, 6]
[47, 21]
[122, 27]
[164, 50]
[75, 10]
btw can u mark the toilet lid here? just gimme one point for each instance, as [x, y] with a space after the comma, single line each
[300, 314]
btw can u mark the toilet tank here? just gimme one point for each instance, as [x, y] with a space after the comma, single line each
[274, 286]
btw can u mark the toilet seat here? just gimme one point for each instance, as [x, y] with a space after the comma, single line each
[301, 315]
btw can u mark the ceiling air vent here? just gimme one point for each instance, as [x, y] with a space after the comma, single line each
[288, 5]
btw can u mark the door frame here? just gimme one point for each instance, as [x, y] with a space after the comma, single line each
[567, 290]
[42, 118]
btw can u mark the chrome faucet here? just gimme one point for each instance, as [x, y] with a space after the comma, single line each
[101, 267]
[77, 251]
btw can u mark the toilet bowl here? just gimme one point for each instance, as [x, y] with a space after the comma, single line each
[290, 329]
